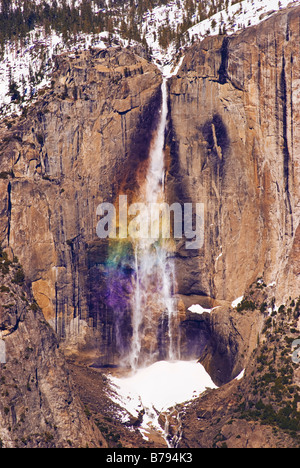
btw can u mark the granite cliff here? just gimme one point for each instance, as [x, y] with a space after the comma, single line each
[232, 144]
[234, 141]
[235, 146]
[39, 406]
[86, 137]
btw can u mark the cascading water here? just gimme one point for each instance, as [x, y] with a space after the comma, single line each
[154, 333]
[153, 304]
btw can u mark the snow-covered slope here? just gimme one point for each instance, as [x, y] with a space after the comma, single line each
[237, 16]
[30, 67]
[26, 65]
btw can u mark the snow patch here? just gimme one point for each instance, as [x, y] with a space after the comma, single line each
[197, 309]
[241, 375]
[237, 301]
[273, 309]
[154, 389]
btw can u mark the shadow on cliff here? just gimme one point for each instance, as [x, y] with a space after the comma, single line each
[128, 176]
[110, 263]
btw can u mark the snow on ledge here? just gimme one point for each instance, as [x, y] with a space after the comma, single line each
[197, 309]
[241, 375]
[237, 301]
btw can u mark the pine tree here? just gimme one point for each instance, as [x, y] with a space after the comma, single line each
[13, 92]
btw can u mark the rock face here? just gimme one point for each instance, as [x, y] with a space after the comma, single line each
[235, 146]
[234, 143]
[203, 424]
[259, 410]
[86, 140]
[39, 407]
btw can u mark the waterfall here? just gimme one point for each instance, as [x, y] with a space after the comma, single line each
[154, 308]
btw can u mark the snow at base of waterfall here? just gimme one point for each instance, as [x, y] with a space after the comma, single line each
[157, 388]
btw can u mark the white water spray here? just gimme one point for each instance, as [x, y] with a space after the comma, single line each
[153, 299]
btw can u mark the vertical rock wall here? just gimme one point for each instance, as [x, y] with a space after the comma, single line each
[79, 146]
[235, 146]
